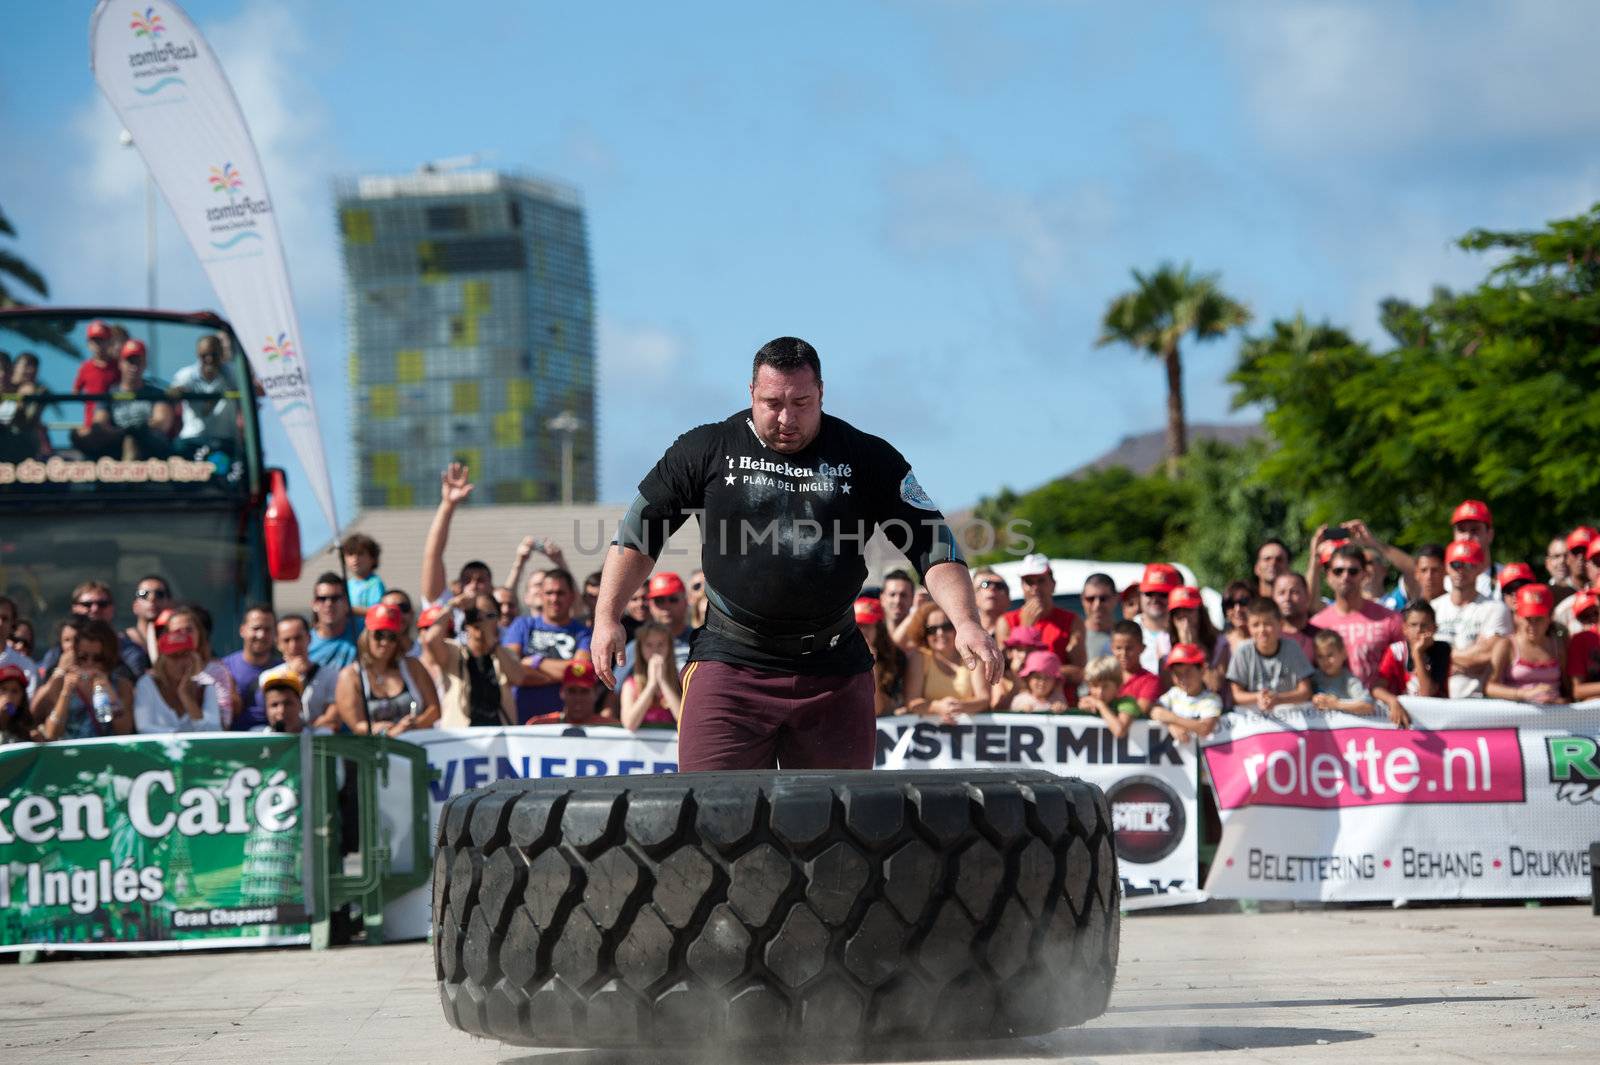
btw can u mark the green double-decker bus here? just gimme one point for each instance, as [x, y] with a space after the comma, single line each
[115, 486]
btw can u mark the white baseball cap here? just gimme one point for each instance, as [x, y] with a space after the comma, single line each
[1035, 566]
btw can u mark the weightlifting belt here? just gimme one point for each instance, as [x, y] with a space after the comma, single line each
[829, 636]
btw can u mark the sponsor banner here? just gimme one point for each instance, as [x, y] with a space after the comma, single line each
[1481, 799]
[171, 94]
[159, 843]
[1150, 781]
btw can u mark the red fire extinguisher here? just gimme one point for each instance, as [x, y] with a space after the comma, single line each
[282, 531]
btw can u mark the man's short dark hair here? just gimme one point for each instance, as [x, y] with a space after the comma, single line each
[593, 578]
[402, 595]
[1350, 551]
[786, 355]
[1262, 607]
[475, 564]
[1101, 579]
[1298, 578]
[330, 577]
[305, 623]
[1129, 629]
[155, 577]
[1433, 551]
[1272, 541]
[898, 575]
[258, 608]
[564, 576]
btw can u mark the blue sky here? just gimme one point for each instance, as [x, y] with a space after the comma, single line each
[942, 196]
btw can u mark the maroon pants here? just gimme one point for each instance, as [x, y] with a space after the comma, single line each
[737, 718]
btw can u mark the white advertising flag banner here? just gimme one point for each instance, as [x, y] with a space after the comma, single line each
[166, 86]
[1481, 799]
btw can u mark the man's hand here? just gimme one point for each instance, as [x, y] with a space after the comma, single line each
[552, 550]
[454, 485]
[607, 647]
[1322, 701]
[525, 548]
[1397, 714]
[1266, 698]
[976, 648]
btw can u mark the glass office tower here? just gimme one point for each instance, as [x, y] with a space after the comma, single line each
[471, 316]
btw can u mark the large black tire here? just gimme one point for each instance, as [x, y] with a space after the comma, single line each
[801, 906]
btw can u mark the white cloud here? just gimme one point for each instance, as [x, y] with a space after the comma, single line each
[947, 209]
[639, 352]
[1330, 77]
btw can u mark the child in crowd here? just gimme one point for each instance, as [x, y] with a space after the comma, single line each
[1333, 686]
[1188, 708]
[652, 694]
[1268, 671]
[1102, 679]
[362, 582]
[1416, 665]
[1020, 642]
[1041, 679]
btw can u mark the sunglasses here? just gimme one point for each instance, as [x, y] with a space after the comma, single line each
[1344, 571]
[384, 636]
[945, 627]
[695, 587]
[152, 593]
[94, 604]
[1235, 604]
[472, 616]
[1459, 566]
[327, 598]
[1162, 596]
[990, 582]
[668, 600]
[1096, 598]
[1028, 581]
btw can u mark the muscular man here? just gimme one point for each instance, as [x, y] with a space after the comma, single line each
[787, 498]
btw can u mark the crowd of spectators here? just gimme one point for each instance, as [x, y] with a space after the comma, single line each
[1337, 636]
[132, 416]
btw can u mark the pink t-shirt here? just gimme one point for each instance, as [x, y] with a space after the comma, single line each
[1366, 632]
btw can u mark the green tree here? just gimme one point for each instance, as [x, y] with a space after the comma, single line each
[1113, 515]
[1163, 308]
[14, 270]
[1487, 394]
[1232, 510]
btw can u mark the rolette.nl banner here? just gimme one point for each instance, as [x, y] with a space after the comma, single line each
[1482, 799]
[159, 843]
[171, 94]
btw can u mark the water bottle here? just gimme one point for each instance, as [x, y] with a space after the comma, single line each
[101, 702]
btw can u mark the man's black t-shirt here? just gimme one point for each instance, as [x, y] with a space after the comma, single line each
[783, 535]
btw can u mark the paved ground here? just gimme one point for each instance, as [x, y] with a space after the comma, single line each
[1369, 985]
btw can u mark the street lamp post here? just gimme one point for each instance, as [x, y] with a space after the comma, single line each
[567, 425]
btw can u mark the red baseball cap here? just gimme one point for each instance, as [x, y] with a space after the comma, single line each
[579, 674]
[10, 672]
[133, 349]
[1516, 571]
[1535, 601]
[1472, 510]
[1593, 549]
[1160, 577]
[1581, 537]
[175, 643]
[385, 618]
[1185, 596]
[1583, 602]
[98, 329]
[1469, 551]
[665, 584]
[430, 617]
[1025, 636]
[869, 611]
[1186, 654]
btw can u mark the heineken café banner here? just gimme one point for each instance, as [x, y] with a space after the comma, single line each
[161, 843]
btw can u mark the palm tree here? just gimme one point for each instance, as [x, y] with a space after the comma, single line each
[1156, 315]
[17, 269]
